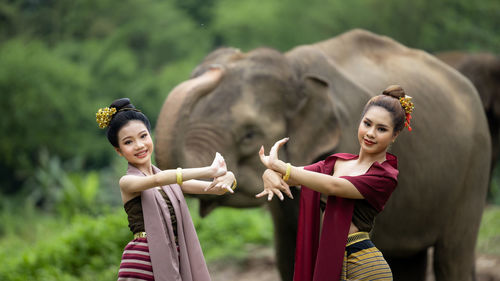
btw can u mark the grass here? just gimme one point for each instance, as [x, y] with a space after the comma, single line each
[488, 241]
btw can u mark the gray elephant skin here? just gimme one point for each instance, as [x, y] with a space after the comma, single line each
[483, 70]
[315, 94]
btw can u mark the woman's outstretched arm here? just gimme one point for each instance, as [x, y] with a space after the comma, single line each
[322, 183]
[132, 184]
[218, 186]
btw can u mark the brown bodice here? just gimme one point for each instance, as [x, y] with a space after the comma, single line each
[363, 216]
[133, 208]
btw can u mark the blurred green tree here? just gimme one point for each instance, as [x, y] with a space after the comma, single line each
[95, 51]
[44, 98]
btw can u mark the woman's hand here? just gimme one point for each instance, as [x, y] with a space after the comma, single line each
[218, 167]
[274, 184]
[222, 184]
[271, 161]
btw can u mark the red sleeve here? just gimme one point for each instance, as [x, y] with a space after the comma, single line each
[375, 186]
[316, 167]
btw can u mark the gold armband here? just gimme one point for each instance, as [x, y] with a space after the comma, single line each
[179, 176]
[288, 170]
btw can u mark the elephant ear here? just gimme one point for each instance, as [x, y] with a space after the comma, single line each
[313, 126]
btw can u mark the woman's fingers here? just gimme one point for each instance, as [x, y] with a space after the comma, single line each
[278, 193]
[262, 156]
[261, 194]
[273, 153]
[269, 196]
[212, 185]
[228, 188]
[222, 161]
[286, 189]
[277, 145]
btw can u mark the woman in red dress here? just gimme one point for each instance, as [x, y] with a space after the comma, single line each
[341, 195]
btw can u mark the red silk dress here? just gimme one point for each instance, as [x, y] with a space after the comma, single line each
[319, 257]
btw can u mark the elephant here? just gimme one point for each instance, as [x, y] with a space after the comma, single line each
[314, 94]
[483, 70]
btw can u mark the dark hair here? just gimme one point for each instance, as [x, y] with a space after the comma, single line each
[125, 112]
[389, 99]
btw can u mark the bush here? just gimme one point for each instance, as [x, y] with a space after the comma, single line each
[90, 248]
[489, 232]
[227, 232]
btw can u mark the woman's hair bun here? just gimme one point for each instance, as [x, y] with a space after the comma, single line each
[394, 91]
[122, 103]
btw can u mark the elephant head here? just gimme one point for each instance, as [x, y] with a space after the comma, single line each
[248, 100]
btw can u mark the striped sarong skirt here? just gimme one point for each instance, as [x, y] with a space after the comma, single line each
[363, 261]
[136, 263]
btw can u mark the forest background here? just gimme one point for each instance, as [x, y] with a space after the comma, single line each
[60, 210]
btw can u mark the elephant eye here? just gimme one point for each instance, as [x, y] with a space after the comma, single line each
[249, 140]
[248, 135]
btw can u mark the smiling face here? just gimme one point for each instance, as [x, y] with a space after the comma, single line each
[135, 144]
[376, 130]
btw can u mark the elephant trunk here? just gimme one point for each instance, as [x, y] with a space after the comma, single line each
[173, 115]
[201, 142]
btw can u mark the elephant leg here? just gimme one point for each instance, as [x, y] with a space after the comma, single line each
[454, 262]
[285, 216]
[454, 253]
[412, 268]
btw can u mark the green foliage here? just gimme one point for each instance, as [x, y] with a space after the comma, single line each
[489, 232]
[494, 191]
[426, 24]
[62, 188]
[90, 248]
[79, 194]
[63, 60]
[44, 98]
[227, 233]
[87, 249]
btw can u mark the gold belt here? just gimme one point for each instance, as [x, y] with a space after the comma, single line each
[140, 235]
[356, 237]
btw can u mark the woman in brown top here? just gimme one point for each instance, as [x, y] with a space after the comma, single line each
[165, 245]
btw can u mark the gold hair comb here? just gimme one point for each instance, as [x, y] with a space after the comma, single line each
[407, 104]
[104, 115]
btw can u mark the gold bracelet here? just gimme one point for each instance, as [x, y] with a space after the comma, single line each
[233, 187]
[288, 170]
[179, 176]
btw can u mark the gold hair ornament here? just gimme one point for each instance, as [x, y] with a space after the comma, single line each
[104, 115]
[408, 106]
